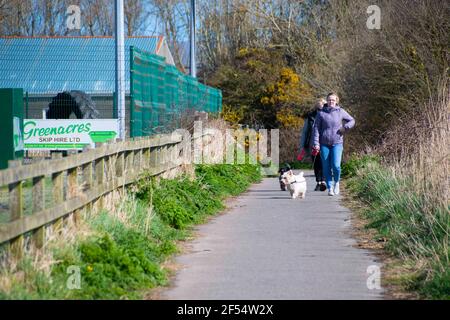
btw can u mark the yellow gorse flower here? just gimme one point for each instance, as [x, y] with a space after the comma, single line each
[288, 89]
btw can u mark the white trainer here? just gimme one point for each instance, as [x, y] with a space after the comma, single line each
[336, 188]
[331, 192]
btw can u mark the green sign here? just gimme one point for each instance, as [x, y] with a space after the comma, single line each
[66, 134]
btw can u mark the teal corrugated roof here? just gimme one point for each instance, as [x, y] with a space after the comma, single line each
[50, 65]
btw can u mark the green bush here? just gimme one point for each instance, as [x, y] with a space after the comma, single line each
[183, 201]
[438, 286]
[350, 167]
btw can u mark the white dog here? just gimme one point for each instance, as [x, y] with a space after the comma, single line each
[296, 184]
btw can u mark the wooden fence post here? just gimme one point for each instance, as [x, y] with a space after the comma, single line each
[158, 157]
[57, 191]
[99, 176]
[87, 175]
[38, 193]
[16, 211]
[110, 168]
[137, 159]
[72, 181]
[72, 189]
[164, 155]
[87, 183]
[146, 158]
[129, 160]
[152, 160]
[120, 164]
[172, 149]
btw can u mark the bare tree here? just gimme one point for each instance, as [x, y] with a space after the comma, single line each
[98, 16]
[173, 16]
[34, 17]
[135, 16]
[13, 16]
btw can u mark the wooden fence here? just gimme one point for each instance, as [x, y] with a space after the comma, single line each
[78, 182]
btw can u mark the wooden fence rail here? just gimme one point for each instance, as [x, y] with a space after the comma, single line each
[78, 182]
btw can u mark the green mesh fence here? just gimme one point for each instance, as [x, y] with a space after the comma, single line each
[160, 93]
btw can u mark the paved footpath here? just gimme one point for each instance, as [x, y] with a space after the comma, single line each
[268, 246]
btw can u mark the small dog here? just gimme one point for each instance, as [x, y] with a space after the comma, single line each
[282, 170]
[296, 184]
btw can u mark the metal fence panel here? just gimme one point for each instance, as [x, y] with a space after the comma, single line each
[160, 94]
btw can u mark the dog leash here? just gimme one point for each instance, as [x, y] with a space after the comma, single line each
[314, 161]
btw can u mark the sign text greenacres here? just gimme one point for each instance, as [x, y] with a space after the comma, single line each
[30, 129]
[65, 134]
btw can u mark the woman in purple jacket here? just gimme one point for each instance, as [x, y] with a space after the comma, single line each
[330, 125]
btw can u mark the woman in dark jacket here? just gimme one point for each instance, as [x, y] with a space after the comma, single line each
[306, 144]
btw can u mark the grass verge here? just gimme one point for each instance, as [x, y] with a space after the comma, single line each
[118, 254]
[415, 228]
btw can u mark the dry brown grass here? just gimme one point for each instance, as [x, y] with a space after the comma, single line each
[419, 148]
[416, 165]
[393, 269]
[74, 230]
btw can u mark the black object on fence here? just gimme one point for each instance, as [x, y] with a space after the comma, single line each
[68, 102]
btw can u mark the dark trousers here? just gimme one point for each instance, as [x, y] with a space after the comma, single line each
[318, 172]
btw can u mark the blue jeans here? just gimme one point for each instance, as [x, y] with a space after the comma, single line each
[331, 161]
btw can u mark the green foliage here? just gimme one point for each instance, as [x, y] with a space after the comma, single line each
[438, 286]
[400, 215]
[111, 269]
[117, 262]
[122, 257]
[351, 167]
[259, 88]
[185, 201]
[227, 179]
[178, 202]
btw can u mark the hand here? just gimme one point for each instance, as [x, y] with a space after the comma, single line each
[315, 151]
[341, 131]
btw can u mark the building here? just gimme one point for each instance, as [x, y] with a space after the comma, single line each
[45, 66]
